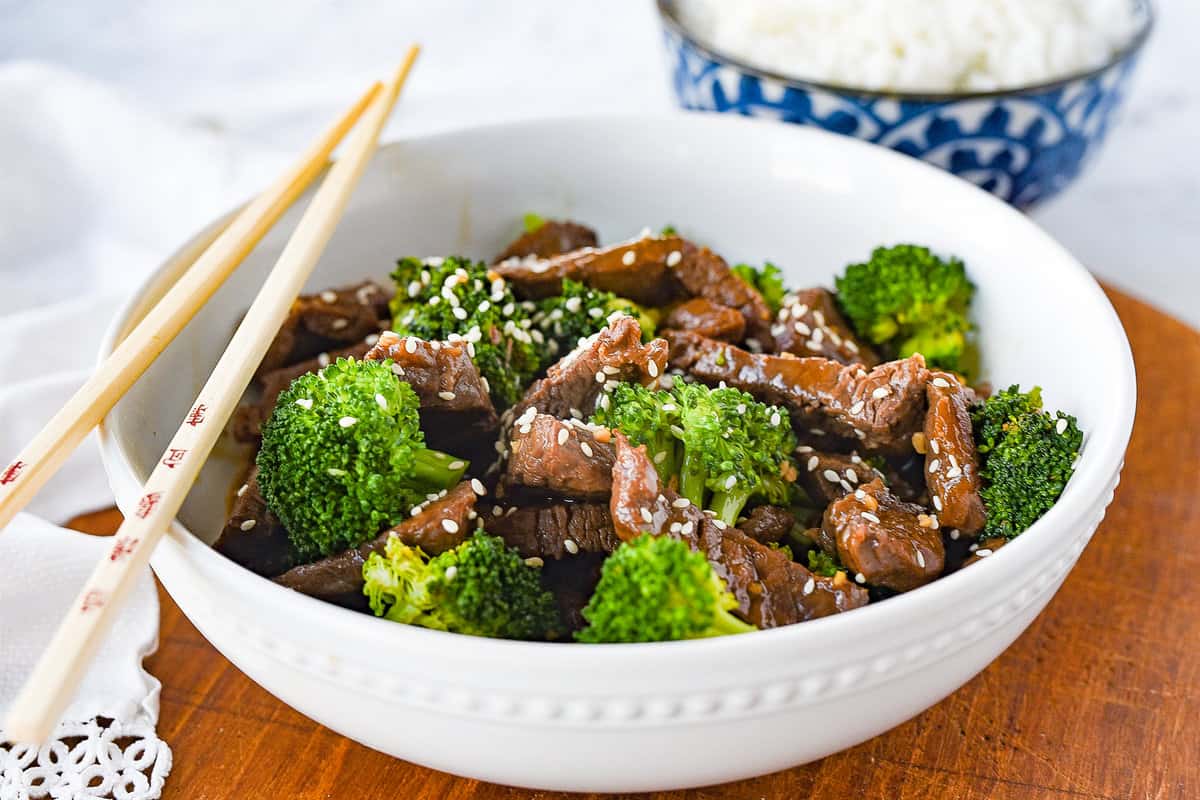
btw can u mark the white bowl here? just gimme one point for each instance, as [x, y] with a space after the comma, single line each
[651, 716]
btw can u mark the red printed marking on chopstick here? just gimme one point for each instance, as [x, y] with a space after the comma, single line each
[92, 600]
[196, 417]
[174, 456]
[147, 504]
[12, 473]
[122, 548]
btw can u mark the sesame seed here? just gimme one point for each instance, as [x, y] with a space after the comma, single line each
[338, 324]
[920, 559]
[818, 335]
[305, 402]
[243, 490]
[730, 482]
[954, 535]
[329, 297]
[937, 502]
[860, 578]
[410, 345]
[450, 526]
[831, 476]
[477, 487]
[609, 369]
[447, 395]
[382, 401]
[954, 472]
[681, 502]
[371, 340]
[534, 561]
[451, 571]
[563, 435]
[347, 422]
[819, 317]
[720, 525]
[1060, 427]
[669, 407]
[497, 511]
[851, 475]
[628, 258]
[804, 449]
[570, 546]
[600, 378]
[456, 465]
[817, 431]
[933, 465]
[813, 345]
[859, 494]
[775, 419]
[881, 393]
[660, 457]
[673, 258]
[983, 552]
[675, 526]
[867, 515]
[934, 447]
[524, 429]
[248, 524]
[802, 329]
[800, 310]
[323, 359]
[851, 346]
[941, 383]
[334, 472]
[647, 516]
[812, 463]
[652, 369]
[586, 448]
[857, 407]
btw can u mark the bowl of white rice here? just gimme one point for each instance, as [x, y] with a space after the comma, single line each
[1015, 96]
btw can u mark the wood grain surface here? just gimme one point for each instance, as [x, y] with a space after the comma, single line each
[1098, 700]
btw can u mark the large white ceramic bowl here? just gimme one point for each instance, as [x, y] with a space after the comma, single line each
[652, 716]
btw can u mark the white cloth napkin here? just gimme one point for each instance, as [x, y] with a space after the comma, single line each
[96, 192]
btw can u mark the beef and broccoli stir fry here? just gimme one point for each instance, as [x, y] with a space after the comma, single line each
[634, 443]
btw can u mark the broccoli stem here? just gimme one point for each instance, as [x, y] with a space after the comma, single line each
[692, 477]
[437, 470]
[662, 453]
[725, 623]
[727, 505]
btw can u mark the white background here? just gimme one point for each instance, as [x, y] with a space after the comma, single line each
[262, 77]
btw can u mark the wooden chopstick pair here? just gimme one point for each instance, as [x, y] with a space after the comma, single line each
[52, 684]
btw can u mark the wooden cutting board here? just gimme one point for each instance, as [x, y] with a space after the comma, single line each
[1099, 699]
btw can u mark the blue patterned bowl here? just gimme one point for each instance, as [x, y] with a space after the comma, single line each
[1023, 145]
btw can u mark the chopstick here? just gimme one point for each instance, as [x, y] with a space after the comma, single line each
[21, 479]
[52, 684]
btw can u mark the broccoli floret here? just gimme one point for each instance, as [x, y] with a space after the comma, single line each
[668, 230]
[719, 447]
[480, 588]
[581, 311]
[657, 589]
[343, 456]
[1028, 456]
[821, 563]
[767, 279]
[445, 299]
[907, 300]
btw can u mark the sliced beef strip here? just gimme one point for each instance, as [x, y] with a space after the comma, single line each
[888, 542]
[615, 354]
[828, 476]
[325, 321]
[951, 464]
[248, 420]
[253, 536]
[553, 531]
[640, 270]
[559, 457]
[810, 324]
[771, 589]
[881, 409]
[553, 238]
[440, 526]
[705, 274]
[706, 318]
[768, 524]
[457, 414]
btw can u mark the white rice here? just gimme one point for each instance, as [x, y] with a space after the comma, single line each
[917, 45]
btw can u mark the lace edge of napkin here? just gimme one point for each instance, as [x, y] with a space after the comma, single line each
[100, 759]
